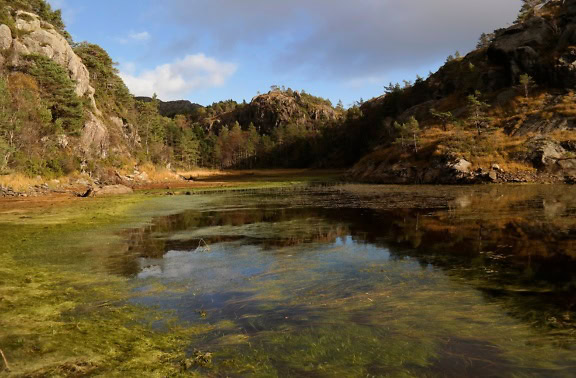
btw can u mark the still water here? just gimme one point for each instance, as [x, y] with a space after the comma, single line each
[367, 280]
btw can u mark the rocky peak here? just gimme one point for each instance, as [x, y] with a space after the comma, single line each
[278, 108]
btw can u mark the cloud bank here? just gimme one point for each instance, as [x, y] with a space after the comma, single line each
[176, 80]
[342, 38]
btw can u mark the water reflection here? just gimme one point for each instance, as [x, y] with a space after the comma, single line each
[359, 280]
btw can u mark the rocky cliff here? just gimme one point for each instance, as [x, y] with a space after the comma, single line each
[527, 130]
[29, 35]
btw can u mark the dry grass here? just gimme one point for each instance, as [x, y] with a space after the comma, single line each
[156, 174]
[202, 172]
[19, 182]
[491, 147]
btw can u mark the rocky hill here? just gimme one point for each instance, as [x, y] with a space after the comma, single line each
[64, 110]
[79, 109]
[171, 109]
[270, 111]
[504, 112]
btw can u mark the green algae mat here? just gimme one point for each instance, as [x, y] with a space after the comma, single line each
[327, 281]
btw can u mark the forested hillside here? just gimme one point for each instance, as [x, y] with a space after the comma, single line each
[64, 109]
[503, 112]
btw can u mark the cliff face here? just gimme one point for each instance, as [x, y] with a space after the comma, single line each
[537, 117]
[35, 36]
[30, 35]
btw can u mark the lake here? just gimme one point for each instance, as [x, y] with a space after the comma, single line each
[350, 280]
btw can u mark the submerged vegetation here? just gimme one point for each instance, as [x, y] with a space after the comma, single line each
[61, 315]
[144, 299]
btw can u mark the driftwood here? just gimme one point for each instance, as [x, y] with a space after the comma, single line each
[203, 246]
[190, 178]
[89, 193]
[6, 365]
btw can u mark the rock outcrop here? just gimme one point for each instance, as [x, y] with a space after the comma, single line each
[39, 37]
[542, 46]
[550, 156]
[278, 108]
[35, 36]
[95, 137]
[5, 38]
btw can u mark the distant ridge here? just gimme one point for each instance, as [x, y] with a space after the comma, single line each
[173, 108]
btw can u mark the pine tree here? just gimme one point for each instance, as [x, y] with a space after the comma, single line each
[408, 134]
[477, 110]
[526, 82]
[443, 117]
[58, 91]
[485, 40]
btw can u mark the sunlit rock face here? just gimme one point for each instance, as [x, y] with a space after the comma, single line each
[35, 36]
[39, 37]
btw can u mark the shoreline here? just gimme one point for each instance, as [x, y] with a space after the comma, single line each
[177, 184]
[184, 183]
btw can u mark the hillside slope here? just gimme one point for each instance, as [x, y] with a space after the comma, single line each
[63, 108]
[504, 112]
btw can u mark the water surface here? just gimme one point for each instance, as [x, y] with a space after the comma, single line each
[366, 280]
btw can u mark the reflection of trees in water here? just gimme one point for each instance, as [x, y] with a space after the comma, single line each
[517, 246]
[529, 264]
[152, 241]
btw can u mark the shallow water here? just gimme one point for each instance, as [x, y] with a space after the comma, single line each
[368, 281]
[350, 280]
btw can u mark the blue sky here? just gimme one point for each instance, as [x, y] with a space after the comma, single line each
[211, 50]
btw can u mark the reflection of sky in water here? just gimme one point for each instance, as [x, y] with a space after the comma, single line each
[201, 266]
[404, 289]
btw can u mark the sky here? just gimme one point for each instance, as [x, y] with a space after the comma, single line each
[212, 50]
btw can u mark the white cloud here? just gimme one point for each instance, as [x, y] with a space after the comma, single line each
[142, 36]
[135, 37]
[173, 81]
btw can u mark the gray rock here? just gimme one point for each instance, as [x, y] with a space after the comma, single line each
[544, 153]
[461, 166]
[5, 38]
[567, 164]
[142, 177]
[113, 190]
[41, 38]
[493, 176]
[62, 140]
[95, 137]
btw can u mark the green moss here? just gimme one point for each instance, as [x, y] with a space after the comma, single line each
[64, 318]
